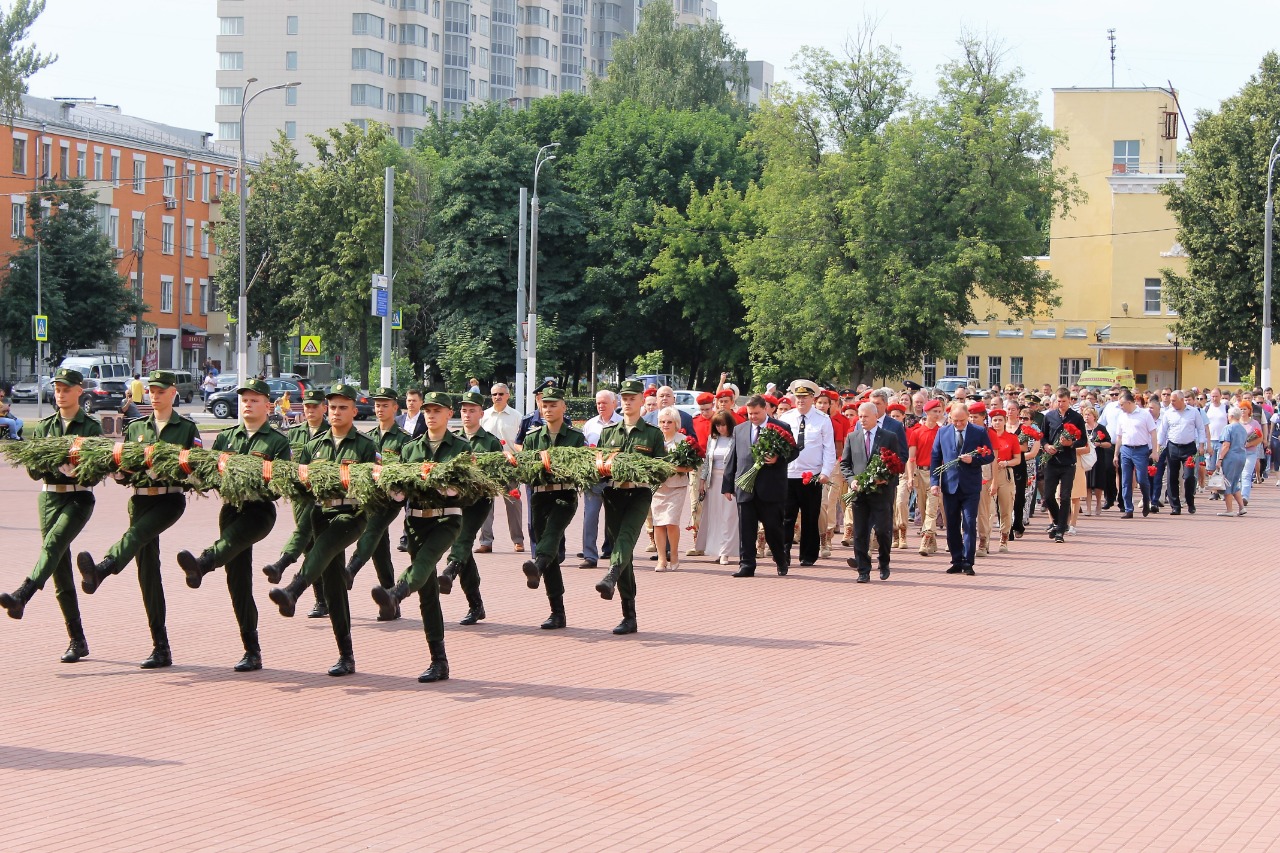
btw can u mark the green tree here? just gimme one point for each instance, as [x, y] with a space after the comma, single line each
[1219, 210]
[883, 221]
[465, 352]
[84, 297]
[666, 65]
[19, 61]
[650, 362]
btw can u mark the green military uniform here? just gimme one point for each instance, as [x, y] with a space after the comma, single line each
[625, 509]
[337, 525]
[299, 436]
[431, 532]
[152, 511]
[375, 542]
[551, 510]
[65, 508]
[462, 563]
[239, 528]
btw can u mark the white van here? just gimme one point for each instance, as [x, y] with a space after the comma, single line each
[99, 365]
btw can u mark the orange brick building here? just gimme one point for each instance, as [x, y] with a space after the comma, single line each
[157, 189]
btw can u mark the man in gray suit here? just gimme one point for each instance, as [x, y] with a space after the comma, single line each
[763, 504]
[873, 511]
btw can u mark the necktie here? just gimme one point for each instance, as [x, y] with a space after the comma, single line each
[959, 441]
[755, 433]
[800, 442]
[868, 439]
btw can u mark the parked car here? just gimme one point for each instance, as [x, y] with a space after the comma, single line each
[103, 394]
[687, 401]
[223, 404]
[949, 384]
[227, 382]
[188, 387]
[26, 389]
[99, 365]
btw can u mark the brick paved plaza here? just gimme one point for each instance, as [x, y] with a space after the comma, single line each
[1118, 692]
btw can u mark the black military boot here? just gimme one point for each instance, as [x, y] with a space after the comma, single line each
[79, 647]
[195, 567]
[628, 623]
[160, 655]
[533, 572]
[321, 608]
[91, 574]
[286, 597]
[346, 664]
[448, 576]
[608, 583]
[275, 571]
[252, 660]
[475, 608]
[389, 599]
[556, 619]
[17, 602]
[404, 543]
[439, 669]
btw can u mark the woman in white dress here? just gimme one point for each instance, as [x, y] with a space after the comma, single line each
[671, 499]
[718, 531]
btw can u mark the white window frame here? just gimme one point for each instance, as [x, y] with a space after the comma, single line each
[166, 235]
[139, 182]
[166, 294]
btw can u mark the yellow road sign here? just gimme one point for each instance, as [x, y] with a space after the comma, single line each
[310, 345]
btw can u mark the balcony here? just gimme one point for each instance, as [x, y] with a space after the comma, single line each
[1157, 168]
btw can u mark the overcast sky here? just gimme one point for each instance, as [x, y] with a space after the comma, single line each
[156, 58]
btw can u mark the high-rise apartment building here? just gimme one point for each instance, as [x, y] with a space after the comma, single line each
[401, 61]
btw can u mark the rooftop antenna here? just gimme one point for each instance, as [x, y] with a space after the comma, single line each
[1111, 37]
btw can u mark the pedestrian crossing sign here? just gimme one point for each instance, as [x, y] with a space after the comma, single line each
[397, 322]
[40, 327]
[310, 345]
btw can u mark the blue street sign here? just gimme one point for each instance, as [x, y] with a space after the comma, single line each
[396, 321]
[40, 326]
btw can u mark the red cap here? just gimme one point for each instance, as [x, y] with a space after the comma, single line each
[897, 407]
[651, 391]
[831, 395]
[705, 398]
[932, 404]
[770, 399]
[725, 392]
[977, 407]
[998, 413]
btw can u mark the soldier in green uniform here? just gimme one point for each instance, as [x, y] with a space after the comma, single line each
[462, 564]
[432, 532]
[314, 423]
[375, 542]
[337, 524]
[241, 526]
[152, 510]
[626, 505]
[65, 508]
[551, 508]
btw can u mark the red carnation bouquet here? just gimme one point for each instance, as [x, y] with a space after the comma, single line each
[773, 441]
[1151, 470]
[1027, 433]
[1067, 438]
[883, 465]
[686, 454]
[978, 452]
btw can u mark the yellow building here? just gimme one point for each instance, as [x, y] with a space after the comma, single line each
[1106, 257]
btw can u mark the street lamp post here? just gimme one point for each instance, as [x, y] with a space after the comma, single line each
[1268, 215]
[1173, 339]
[242, 307]
[542, 159]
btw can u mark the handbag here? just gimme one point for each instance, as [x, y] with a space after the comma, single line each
[1216, 481]
[1089, 459]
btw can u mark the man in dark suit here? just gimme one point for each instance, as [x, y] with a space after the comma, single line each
[412, 420]
[875, 510]
[764, 503]
[960, 486]
[882, 397]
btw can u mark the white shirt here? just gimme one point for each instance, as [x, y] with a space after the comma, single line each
[1217, 418]
[818, 456]
[1108, 413]
[411, 422]
[503, 425]
[594, 426]
[1133, 429]
[1181, 427]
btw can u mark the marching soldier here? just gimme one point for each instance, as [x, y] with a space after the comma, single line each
[375, 542]
[65, 507]
[462, 564]
[337, 523]
[432, 532]
[552, 507]
[626, 505]
[241, 526]
[314, 424]
[152, 510]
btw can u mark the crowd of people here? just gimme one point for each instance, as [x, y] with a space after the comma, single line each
[790, 475]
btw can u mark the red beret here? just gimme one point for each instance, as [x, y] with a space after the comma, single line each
[897, 407]
[770, 399]
[831, 395]
[705, 398]
[998, 413]
[651, 391]
[977, 407]
[726, 392]
[932, 404]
